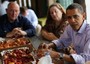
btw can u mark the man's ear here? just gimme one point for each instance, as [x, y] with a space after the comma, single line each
[6, 10]
[84, 15]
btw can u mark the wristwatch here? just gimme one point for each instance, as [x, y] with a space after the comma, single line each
[61, 55]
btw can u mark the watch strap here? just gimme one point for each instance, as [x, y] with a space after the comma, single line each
[61, 55]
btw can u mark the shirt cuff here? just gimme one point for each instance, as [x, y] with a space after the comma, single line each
[78, 59]
[58, 44]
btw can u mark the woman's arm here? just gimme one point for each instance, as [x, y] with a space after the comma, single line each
[48, 35]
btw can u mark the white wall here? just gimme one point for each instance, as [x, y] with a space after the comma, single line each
[88, 10]
[24, 3]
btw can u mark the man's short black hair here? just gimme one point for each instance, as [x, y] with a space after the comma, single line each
[75, 6]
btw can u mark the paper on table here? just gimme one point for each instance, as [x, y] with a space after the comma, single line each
[2, 39]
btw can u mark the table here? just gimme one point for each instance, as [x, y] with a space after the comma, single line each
[37, 40]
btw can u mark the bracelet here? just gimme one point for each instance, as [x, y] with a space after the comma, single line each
[61, 55]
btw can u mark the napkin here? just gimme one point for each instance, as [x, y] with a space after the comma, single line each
[45, 60]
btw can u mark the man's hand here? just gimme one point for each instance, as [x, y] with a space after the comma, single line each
[46, 46]
[16, 32]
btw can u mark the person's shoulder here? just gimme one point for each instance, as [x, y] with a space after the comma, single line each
[88, 26]
[30, 10]
[22, 18]
[3, 16]
[87, 30]
[68, 28]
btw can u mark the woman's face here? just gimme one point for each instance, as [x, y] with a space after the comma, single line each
[55, 13]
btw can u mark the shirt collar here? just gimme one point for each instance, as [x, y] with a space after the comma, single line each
[82, 29]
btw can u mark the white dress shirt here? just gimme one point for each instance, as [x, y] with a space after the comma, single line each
[32, 17]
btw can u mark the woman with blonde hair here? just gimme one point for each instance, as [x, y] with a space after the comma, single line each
[55, 23]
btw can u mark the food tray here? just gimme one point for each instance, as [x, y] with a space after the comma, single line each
[21, 55]
[14, 43]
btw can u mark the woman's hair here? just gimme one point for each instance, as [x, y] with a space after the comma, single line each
[49, 18]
